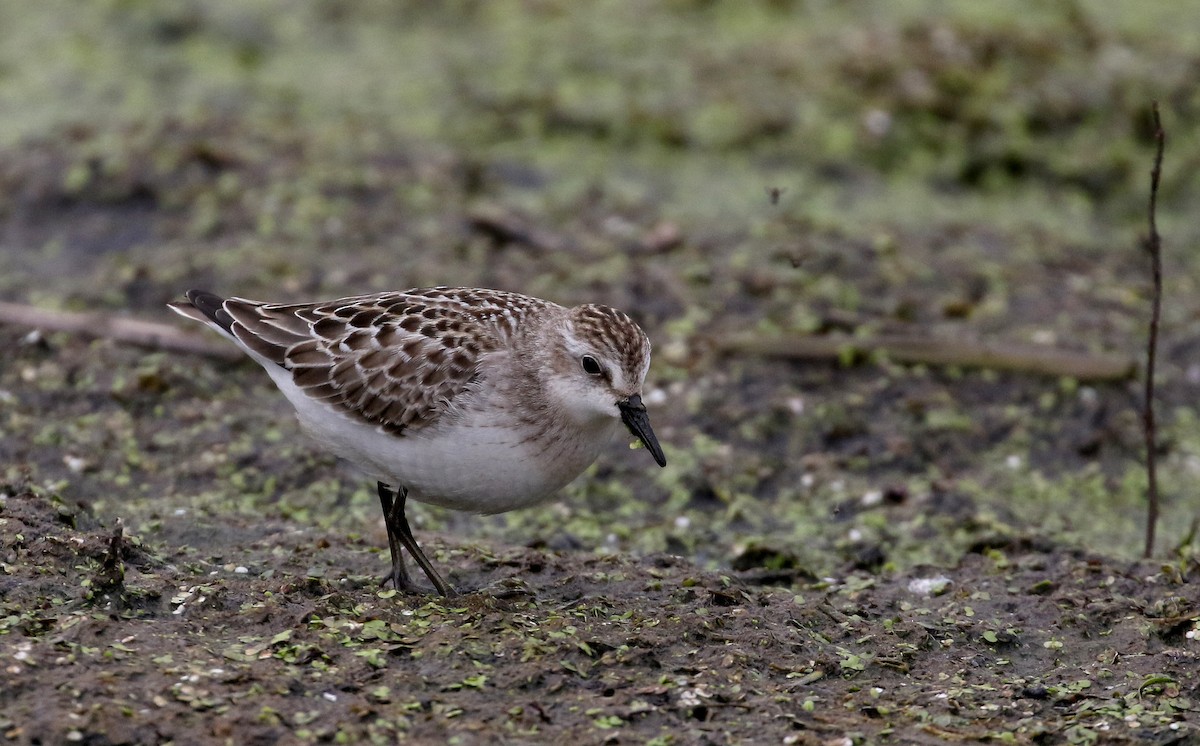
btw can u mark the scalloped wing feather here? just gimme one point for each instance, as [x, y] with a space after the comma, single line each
[396, 360]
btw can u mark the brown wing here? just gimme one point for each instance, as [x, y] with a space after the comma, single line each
[396, 360]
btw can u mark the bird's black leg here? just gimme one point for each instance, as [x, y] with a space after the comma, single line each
[400, 534]
[398, 526]
[399, 574]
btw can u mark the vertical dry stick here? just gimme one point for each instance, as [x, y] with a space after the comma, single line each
[1153, 244]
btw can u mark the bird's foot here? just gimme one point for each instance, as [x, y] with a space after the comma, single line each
[400, 580]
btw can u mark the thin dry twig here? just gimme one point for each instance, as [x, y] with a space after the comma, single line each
[1153, 244]
[915, 349]
[138, 332]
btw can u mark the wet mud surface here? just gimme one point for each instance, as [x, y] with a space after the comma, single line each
[115, 641]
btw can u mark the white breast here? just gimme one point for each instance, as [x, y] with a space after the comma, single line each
[483, 462]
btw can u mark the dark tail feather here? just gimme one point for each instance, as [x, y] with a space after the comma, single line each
[212, 306]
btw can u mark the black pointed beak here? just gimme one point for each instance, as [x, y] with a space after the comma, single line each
[633, 414]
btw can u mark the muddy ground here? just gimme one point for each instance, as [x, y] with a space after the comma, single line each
[847, 550]
[1022, 641]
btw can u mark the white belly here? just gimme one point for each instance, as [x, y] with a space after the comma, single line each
[480, 463]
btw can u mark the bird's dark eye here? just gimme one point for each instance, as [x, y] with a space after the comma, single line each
[591, 366]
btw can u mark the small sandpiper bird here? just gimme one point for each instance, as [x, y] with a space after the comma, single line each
[467, 398]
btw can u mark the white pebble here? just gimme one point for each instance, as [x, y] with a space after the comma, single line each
[929, 586]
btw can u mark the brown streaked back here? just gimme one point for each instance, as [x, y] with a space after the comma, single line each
[396, 360]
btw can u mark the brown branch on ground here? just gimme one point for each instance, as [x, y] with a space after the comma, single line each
[915, 349]
[151, 334]
[1153, 245]
[505, 227]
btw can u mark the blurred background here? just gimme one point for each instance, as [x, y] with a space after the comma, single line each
[961, 170]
